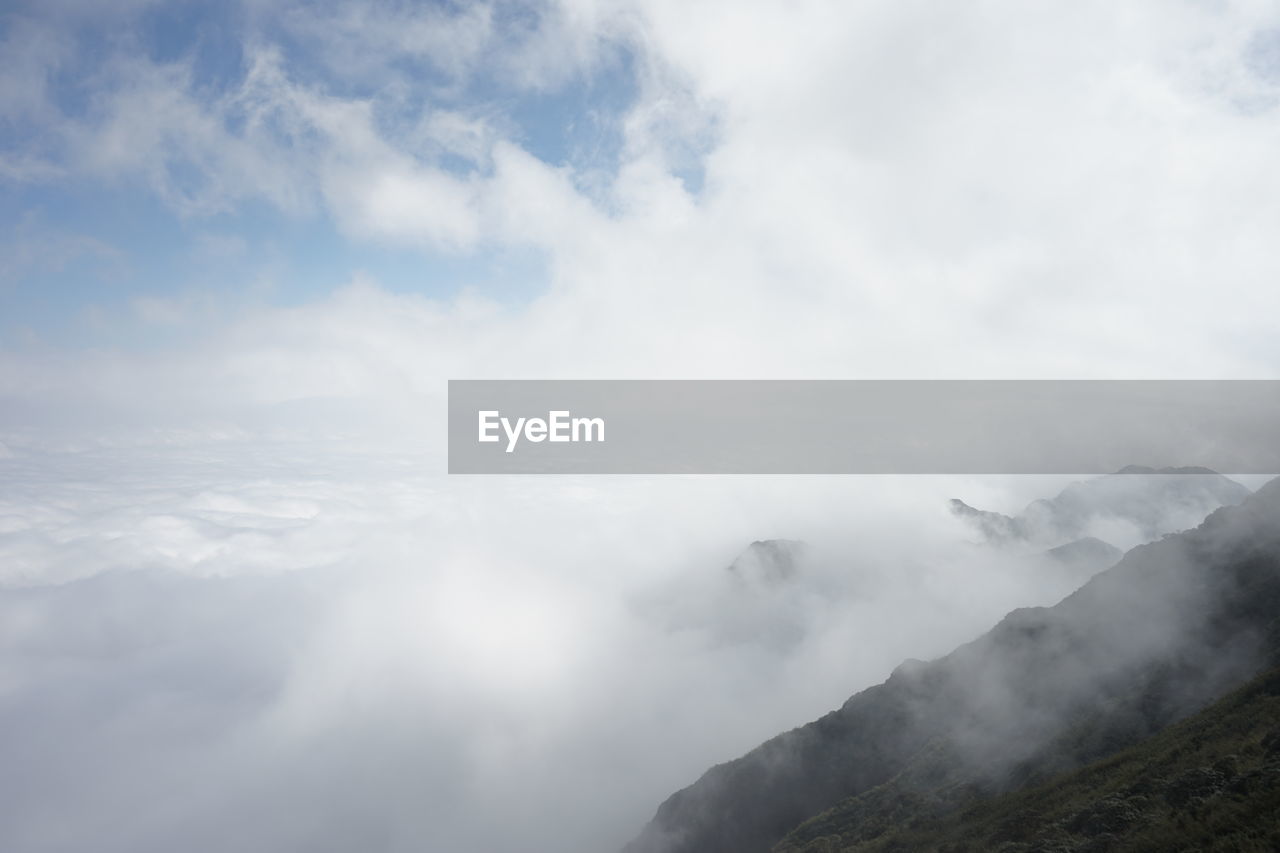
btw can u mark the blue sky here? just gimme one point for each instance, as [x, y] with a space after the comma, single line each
[86, 243]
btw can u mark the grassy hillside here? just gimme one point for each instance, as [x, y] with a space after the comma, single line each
[1209, 783]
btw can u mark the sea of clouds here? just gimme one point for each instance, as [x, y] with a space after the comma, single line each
[241, 605]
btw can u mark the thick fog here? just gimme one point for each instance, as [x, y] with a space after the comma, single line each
[286, 646]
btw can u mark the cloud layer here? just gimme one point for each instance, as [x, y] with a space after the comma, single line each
[240, 602]
[284, 646]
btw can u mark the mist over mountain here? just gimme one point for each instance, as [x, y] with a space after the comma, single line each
[765, 598]
[768, 561]
[1133, 505]
[1089, 551]
[1174, 625]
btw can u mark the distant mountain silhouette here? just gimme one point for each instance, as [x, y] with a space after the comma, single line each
[1153, 501]
[1088, 551]
[769, 561]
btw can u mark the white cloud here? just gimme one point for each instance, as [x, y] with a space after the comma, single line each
[407, 205]
[891, 189]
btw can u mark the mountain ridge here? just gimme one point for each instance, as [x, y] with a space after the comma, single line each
[1153, 501]
[1172, 626]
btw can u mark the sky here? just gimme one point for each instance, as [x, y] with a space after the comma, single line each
[244, 245]
[632, 189]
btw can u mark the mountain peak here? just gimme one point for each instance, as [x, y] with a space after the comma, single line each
[769, 560]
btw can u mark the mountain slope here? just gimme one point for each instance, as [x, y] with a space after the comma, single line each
[1211, 782]
[1174, 625]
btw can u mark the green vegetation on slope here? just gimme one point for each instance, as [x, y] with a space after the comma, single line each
[1209, 783]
